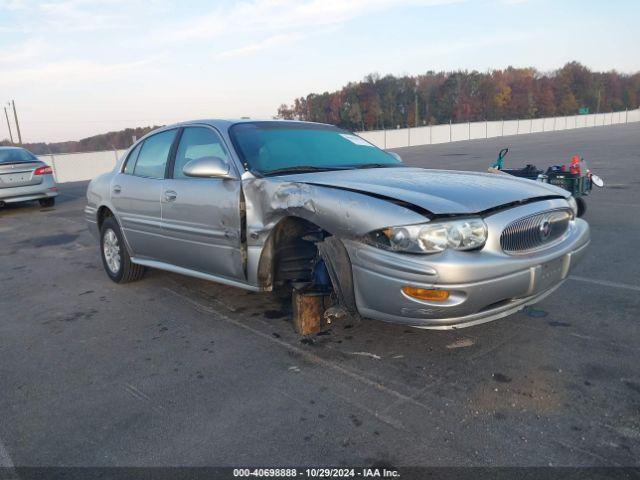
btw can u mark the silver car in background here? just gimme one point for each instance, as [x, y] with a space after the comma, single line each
[266, 204]
[24, 178]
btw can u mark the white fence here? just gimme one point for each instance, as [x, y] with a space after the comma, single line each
[74, 167]
[409, 137]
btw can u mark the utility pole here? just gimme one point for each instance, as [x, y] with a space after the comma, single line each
[15, 115]
[8, 124]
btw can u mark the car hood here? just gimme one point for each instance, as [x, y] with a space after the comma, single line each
[438, 191]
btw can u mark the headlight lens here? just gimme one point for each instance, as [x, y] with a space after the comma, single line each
[433, 238]
[465, 234]
[574, 205]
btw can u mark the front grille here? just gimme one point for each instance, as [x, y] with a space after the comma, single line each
[536, 231]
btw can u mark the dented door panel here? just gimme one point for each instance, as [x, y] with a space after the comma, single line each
[202, 225]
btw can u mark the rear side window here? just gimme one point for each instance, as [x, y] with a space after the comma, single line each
[153, 155]
[131, 159]
[196, 143]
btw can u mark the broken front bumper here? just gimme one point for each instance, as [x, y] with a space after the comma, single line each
[485, 285]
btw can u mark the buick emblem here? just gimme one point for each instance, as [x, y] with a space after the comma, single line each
[545, 229]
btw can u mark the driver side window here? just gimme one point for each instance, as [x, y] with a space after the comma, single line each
[196, 143]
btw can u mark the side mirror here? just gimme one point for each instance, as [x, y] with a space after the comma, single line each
[207, 167]
[396, 156]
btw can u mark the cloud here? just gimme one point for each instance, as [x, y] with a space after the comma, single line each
[266, 24]
[252, 48]
[78, 70]
[81, 15]
[22, 52]
[29, 16]
[12, 4]
[286, 15]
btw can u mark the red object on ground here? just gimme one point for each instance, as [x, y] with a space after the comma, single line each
[575, 164]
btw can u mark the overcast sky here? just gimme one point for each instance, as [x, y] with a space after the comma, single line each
[81, 67]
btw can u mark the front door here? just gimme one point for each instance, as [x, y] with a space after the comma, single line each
[201, 216]
[136, 192]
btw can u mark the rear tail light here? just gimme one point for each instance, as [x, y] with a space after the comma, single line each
[43, 170]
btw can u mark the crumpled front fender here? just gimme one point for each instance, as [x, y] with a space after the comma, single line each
[342, 213]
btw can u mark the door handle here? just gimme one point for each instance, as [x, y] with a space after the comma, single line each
[117, 189]
[170, 195]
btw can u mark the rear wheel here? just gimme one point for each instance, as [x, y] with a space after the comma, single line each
[582, 206]
[115, 258]
[47, 202]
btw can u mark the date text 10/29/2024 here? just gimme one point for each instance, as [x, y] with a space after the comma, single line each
[316, 473]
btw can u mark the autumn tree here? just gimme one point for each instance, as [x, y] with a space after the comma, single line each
[379, 102]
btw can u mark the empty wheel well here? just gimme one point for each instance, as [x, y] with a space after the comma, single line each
[290, 253]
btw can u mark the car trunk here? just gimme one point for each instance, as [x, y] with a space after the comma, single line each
[19, 174]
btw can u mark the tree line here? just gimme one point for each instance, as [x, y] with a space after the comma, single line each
[387, 102]
[380, 102]
[106, 141]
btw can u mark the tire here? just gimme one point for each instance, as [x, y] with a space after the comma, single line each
[582, 206]
[115, 257]
[47, 202]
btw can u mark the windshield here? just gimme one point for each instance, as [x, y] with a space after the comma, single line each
[274, 148]
[16, 155]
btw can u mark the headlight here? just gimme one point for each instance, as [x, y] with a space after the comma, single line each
[467, 234]
[574, 205]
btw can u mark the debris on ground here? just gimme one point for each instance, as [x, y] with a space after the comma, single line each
[367, 354]
[461, 343]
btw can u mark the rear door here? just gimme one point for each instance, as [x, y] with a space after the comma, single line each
[201, 218]
[136, 191]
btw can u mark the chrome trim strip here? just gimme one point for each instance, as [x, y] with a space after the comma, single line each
[141, 221]
[210, 233]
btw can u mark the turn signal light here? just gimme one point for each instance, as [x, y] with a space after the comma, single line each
[43, 170]
[426, 294]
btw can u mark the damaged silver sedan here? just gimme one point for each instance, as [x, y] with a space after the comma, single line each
[279, 204]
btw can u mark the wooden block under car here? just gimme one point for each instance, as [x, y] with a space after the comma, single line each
[308, 311]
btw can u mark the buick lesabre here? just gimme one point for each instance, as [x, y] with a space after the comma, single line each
[269, 204]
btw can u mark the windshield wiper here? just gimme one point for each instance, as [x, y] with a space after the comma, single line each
[300, 169]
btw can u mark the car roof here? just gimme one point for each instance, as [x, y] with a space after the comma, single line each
[226, 123]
